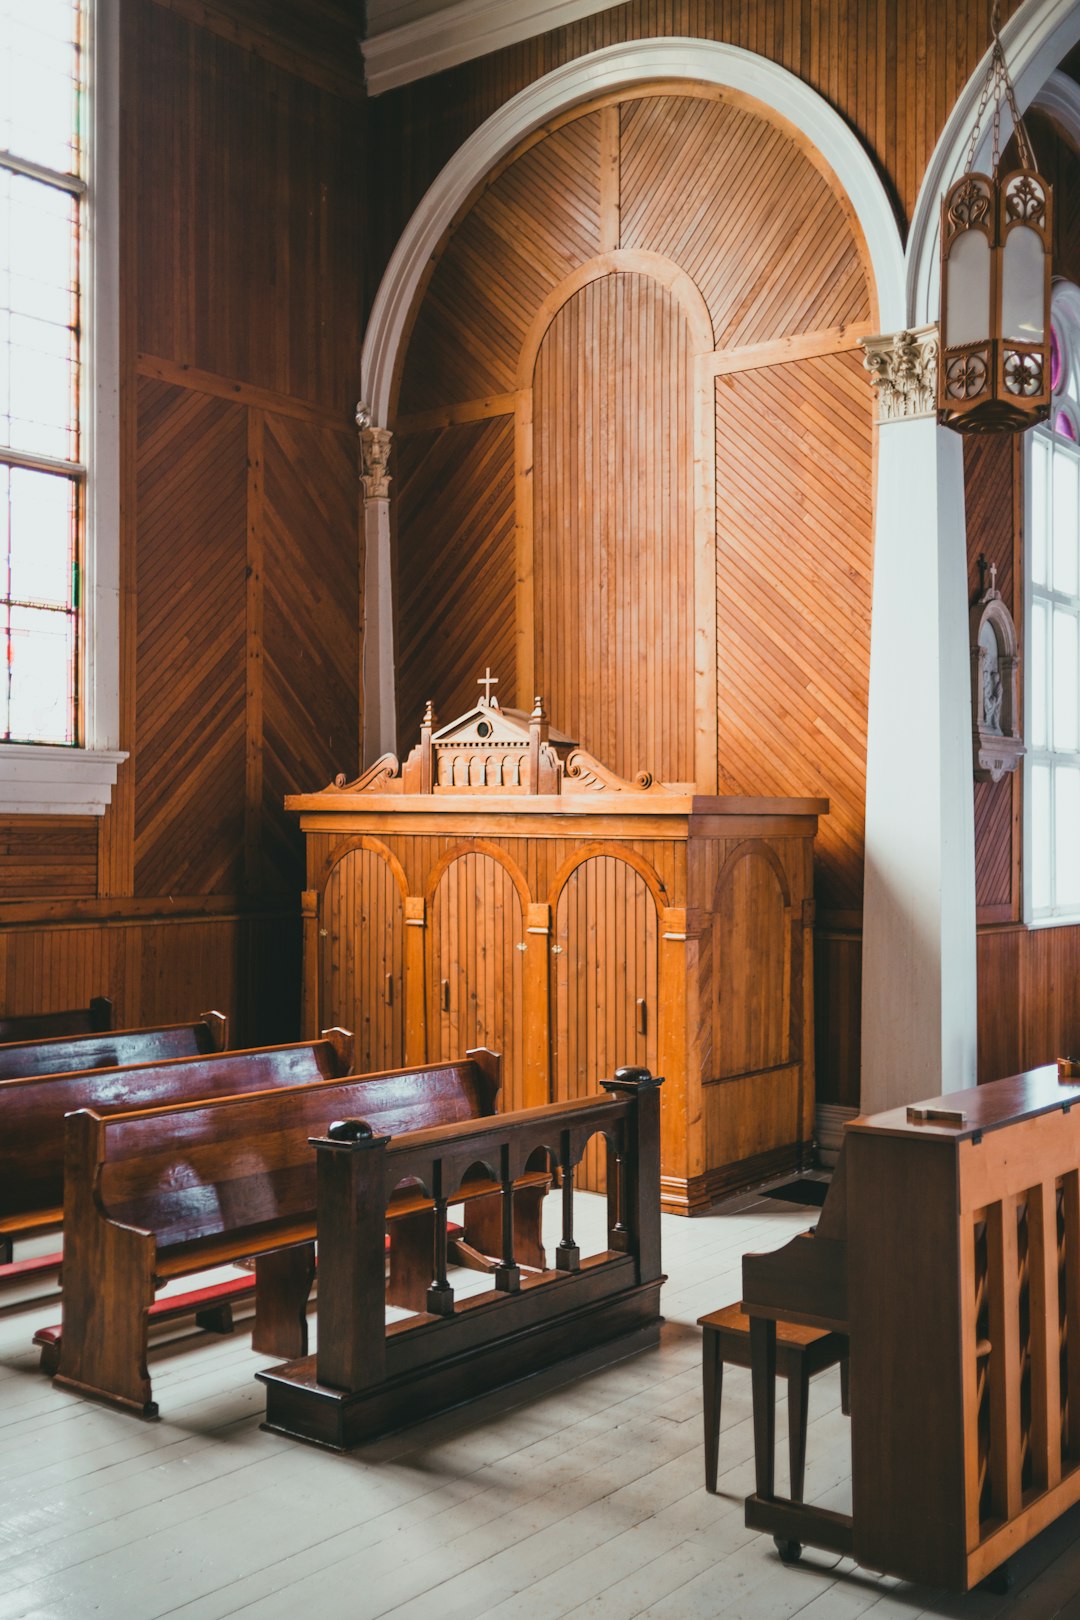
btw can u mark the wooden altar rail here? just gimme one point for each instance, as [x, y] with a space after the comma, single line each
[368, 1377]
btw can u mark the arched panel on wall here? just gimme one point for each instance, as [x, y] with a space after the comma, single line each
[605, 984]
[613, 525]
[477, 966]
[754, 1099]
[362, 957]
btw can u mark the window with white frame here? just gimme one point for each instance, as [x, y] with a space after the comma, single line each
[59, 390]
[42, 466]
[1052, 665]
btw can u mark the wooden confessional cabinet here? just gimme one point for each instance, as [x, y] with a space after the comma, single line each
[504, 889]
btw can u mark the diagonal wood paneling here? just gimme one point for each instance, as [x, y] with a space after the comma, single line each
[311, 637]
[533, 224]
[190, 522]
[793, 557]
[454, 569]
[764, 236]
[613, 517]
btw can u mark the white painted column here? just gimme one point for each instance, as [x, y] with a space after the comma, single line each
[379, 717]
[918, 986]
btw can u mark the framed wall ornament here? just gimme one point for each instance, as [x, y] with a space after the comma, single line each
[995, 708]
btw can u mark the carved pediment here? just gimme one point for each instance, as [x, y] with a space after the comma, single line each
[494, 750]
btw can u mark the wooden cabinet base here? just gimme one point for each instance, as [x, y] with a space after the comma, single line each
[679, 1196]
[605, 1331]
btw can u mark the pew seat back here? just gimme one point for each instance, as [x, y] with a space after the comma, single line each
[112, 1049]
[71, 1021]
[32, 1110]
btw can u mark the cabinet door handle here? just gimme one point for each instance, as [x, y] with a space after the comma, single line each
[388, 993]
[446, 995]
[642, 1018]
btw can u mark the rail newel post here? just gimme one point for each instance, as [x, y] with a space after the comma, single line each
[440, 1296]
[568, 1254]
[351, 1202]
[639, 1180]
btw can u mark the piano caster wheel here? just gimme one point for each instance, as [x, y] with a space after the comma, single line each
[790, 1551]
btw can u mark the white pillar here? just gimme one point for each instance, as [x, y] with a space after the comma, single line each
[918, 985]
[379, 718]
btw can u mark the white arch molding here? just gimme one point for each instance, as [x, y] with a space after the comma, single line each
[1035, 39]
[617, 67]
[623, 67]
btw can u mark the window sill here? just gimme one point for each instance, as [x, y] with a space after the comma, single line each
[1064, 920]
[39, 780]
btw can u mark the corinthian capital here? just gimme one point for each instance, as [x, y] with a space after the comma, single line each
[903, 370]
[375, 457]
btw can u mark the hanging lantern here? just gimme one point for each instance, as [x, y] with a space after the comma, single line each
[994, 368]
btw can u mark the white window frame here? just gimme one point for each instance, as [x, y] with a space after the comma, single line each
[40, 778]
[1066, 307]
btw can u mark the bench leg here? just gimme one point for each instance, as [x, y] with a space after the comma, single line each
[7, 1251]
[845, 1386]
[798, 1400]
[412, 1260]
[216, 1319]
[763, 1379]
[283, 1281]
[712, 1383]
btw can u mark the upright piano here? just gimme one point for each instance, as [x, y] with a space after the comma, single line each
[948, 1249]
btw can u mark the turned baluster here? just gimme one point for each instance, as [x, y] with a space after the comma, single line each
[440, 1296]
[567, 1254]
[508, 1275]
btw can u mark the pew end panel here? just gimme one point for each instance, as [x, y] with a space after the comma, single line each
[102, 1349]
[367, 1378]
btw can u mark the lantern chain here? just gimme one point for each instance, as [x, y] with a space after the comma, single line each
[999, 85]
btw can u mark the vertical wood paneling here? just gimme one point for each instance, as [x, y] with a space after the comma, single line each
[605, 984]
[248, 253]
[454, 569]
[362, 922]
[477, 935]
[190, 671]
[613, 526]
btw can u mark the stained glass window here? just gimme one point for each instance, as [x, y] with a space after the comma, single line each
[42, 476]
[1052, 664]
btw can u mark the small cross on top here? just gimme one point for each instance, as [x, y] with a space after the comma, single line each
[487, 681]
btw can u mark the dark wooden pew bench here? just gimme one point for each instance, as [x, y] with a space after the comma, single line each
[72, 1021]
[32, 1114]
[113, 1049]
[161, 1193]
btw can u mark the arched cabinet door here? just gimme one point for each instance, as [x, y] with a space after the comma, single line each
[477, 974]
[361, 958]
[605, 985]
[753, 1107]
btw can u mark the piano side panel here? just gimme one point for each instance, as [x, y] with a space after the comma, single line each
[904, 1306]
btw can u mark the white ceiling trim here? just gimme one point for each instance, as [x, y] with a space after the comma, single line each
[459, 32]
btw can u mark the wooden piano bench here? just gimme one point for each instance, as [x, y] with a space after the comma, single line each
[800, 1353]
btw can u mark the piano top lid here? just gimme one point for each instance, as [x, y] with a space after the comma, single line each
[985, 1108]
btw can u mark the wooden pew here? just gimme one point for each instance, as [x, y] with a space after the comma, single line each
[112, 1049]
[32, 1117]
[72, 1021]
[160, 1193]
[367, 1377]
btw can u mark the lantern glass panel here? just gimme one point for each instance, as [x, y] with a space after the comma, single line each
[1023, 286]
[968, 308]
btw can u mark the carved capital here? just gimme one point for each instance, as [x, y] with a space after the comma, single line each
[903, 370]
[375, 457]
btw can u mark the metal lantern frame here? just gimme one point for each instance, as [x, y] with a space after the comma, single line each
[1000, 382]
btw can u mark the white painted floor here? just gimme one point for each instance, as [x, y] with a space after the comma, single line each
[581, 1498]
